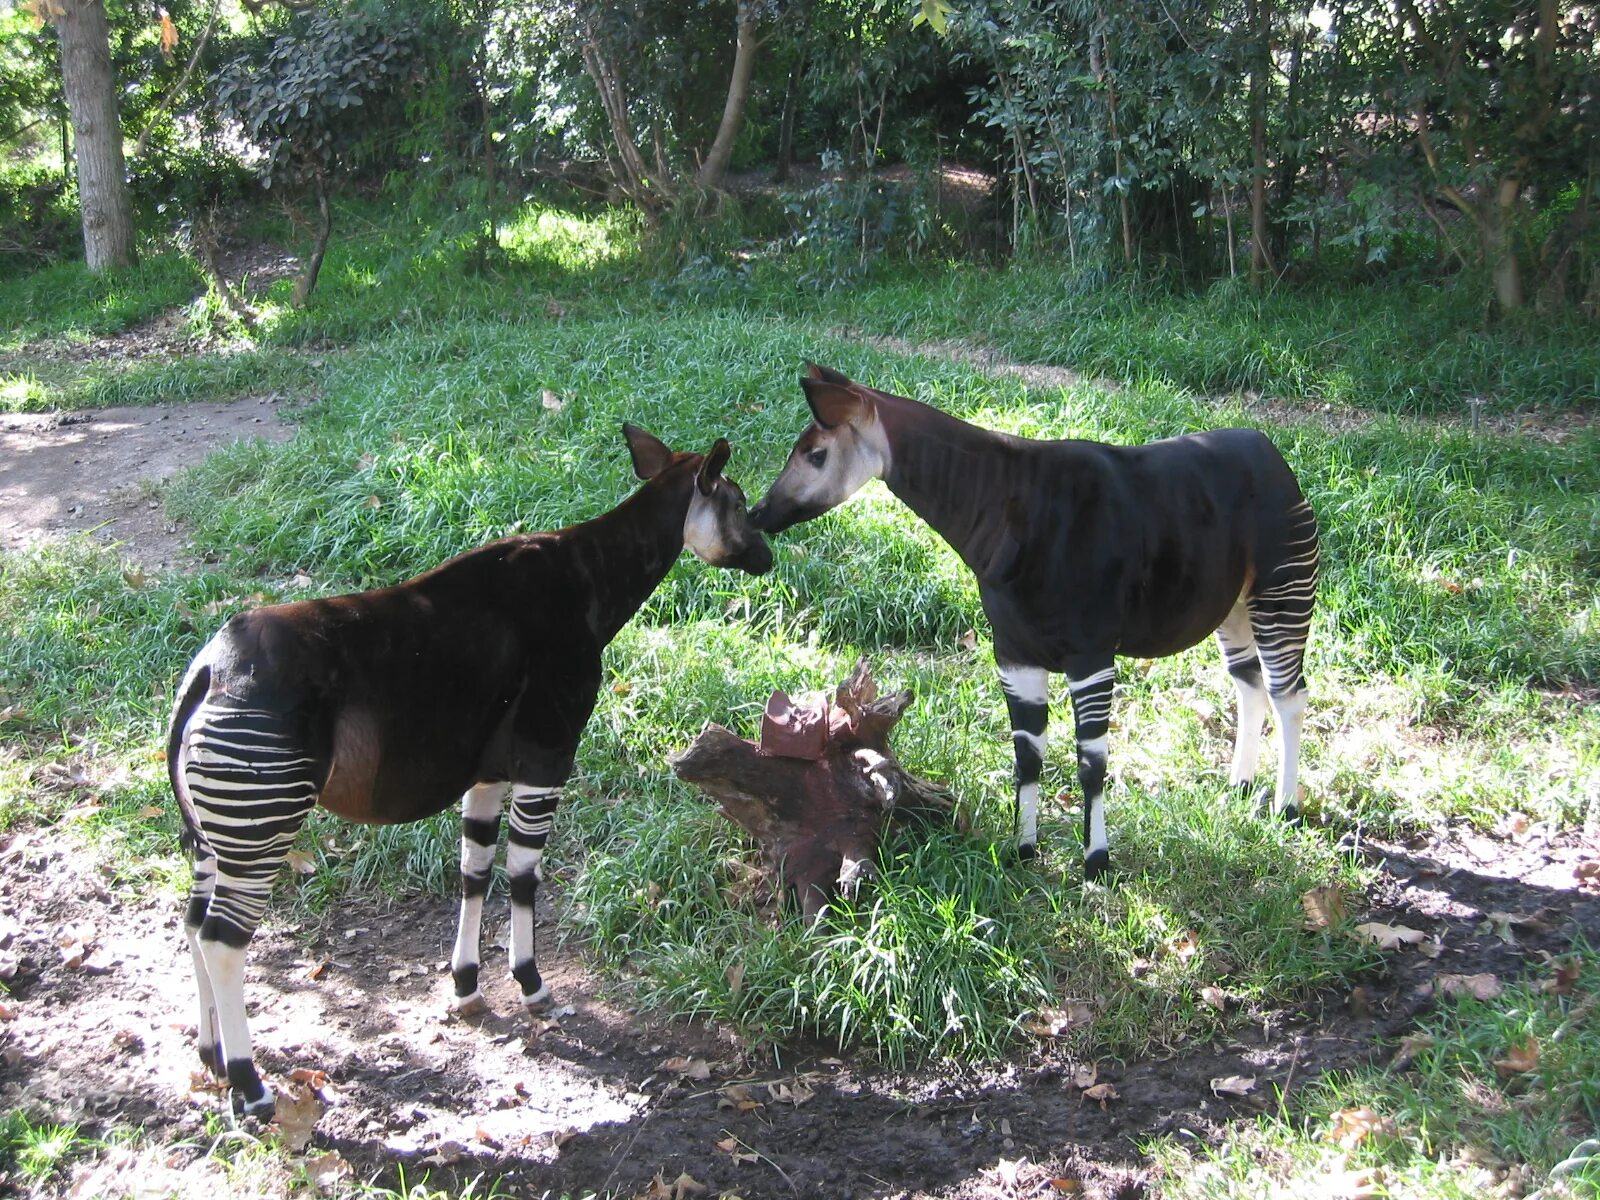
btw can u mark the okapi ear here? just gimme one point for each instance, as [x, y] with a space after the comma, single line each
[711, 469]
[650, 454]
[833, 403]
[827, 374]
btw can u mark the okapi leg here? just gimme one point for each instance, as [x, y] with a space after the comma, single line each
[1238, 644]
[251, 784]
[1091, 686]
[1027, 692]
[480, 834]
[204, 883]
[533, 810]
[1280, 616]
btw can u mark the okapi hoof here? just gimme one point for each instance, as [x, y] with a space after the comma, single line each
[539, 1002]
[212, 1061]
[1028, 852]
[1097, 866]
[470, 1006]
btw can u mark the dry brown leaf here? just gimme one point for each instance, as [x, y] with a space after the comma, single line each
[300, 862]
[133, 577]
[968, 640]
[1233, 1085]
[310, 1076]
[687, 1185]
[551, 401]
[1062, 1186]
[1587, 874]
[737, 1097]
[326, 1170]
[1408, 1049]
[1055, 1021]
[1431, 948]
[373, 501]
[7, 1013]
[318, 969]
[1184, 946]
[1524, 1057]
[1084, 1075]
[796, 1094]
[1362, 1183]
[735, 977]
[689, 1068]
[150, 811]
[1215, 997]
[1563, 974]
[1483, 986]
[1101, 1092]
[727, 1145]
[1352, 1126]
[296, 1116]
[1389, 937]
[1325, 907]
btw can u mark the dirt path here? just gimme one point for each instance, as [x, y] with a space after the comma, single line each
[94, 471]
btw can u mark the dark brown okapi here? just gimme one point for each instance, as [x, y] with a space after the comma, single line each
[1085, 551]
[470, 681]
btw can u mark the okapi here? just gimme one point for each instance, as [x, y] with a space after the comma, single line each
[471, 680]
[1085, 551]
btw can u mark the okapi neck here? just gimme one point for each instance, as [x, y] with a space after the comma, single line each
[944, 470]
[626, 553]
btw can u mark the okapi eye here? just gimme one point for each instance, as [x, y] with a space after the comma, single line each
[817, 457]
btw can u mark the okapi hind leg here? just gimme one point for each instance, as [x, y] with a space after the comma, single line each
[1237, 642]
[251, 784]
[533, 811]
[1280, 617]
[1091, 685]
[480, 835]
[204, 883]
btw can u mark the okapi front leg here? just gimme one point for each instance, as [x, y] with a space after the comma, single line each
[533, 810]
[1238, 644]
[1028, 701]
[480, 834]
[1091, 686]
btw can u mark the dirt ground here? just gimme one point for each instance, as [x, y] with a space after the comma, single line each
[98, 1029]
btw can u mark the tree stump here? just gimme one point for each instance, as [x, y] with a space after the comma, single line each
[819, 789]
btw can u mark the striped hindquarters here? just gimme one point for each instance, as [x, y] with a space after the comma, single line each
[1282, 600]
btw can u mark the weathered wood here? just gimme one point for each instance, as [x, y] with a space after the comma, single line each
[819, 790]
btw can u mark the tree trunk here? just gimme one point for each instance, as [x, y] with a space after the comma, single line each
[791, 102]
[307, 283]
[97, 133]
[733, 109]
[649, 193]
[1259, 19]
[1498, 248]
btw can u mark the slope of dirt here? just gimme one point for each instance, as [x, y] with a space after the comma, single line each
[599, 1097]
[93, 471]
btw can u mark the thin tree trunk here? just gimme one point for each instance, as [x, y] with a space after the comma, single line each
[733, 109]
[791, 102]
[97, 134]
[1105, 77]
[636, 181]
[1499, 225]
[307, 283]
[1259, 18]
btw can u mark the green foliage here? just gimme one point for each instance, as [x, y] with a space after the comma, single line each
[324, 92]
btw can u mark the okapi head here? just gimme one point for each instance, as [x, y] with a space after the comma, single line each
[838, 453]
[718, 528]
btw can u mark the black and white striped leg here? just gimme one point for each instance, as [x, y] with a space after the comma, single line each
[1091, 686]
[1238, 644]
[251, 784]
[480, 834]
[1280, 616]
[194, 916]
[1028, 702]
[533, 810]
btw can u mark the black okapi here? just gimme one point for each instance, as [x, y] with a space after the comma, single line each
[1085, 551]
[471, 681]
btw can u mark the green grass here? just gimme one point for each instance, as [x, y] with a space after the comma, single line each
[1455, 639]
[1460, 1121]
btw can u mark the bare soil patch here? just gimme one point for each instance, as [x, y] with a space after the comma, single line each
[96, 472]
[605, 1097]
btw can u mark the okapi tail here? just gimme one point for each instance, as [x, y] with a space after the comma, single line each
[190, 693]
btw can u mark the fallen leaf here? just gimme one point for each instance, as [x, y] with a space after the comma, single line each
[1184, 946]
[1233, 1085]
[1008, 1172]
[1352, 1126]
[318, 969]
[1360, 1003]
[1215, 997]
[1483, 986]
[727, 1145]
[326, 1170]
[309, 1076]
[1063, 1186]
[372, 502]
[300, 862]
[1524, 1057]
[1101, 1092]
[1389, 937]
[551, 401]
[150, 811]
[1410, 1046]
[1053, 1022]
[968, 640]
[735, 977]
[1587, 874]
[796, 1094]
[1362, 1183]
[1084, 1075]
[1431, 948]
[296, 1116]
[1563, 974]
[687, 1185]
[737, 1096]
[133, 577]
[1325, 907]
[689, 1068]
[7, 1013]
